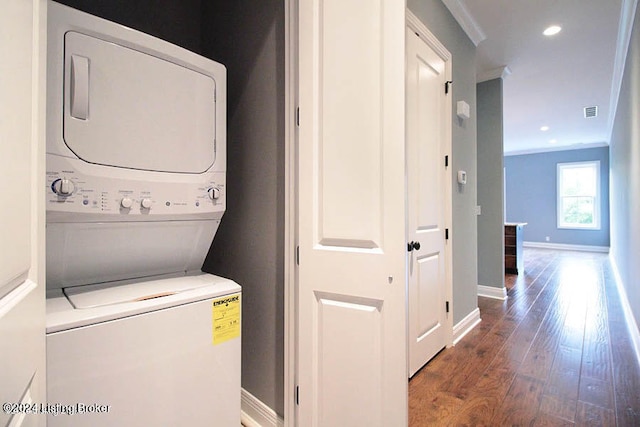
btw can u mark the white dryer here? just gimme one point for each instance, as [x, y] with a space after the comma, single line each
[137, 335]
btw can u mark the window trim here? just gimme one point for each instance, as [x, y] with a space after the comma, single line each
[597, 199]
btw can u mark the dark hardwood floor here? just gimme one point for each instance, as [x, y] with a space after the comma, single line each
[555, 353]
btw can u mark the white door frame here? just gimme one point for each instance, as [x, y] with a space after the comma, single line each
[290, 209]
[414, 23]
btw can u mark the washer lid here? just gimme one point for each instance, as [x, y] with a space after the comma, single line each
[182, 287]
[131, 109]
[93, 304]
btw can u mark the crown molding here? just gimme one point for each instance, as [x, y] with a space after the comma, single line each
[556, 148]
[625, 27]
[495, 73]
[466, 21]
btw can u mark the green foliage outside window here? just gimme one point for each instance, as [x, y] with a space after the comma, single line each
[578, 195]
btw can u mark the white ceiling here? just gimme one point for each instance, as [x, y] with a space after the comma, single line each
[552, 78]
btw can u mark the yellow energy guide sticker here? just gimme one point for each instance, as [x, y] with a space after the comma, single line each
[226, 318]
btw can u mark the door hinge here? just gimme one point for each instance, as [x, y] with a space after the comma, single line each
[446, 86]
[297, 255]
[446, 161]
[447, 306]
[446, 234]
[298, 116]
[297, 395]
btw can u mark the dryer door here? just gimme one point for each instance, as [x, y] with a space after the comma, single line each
[130, 109]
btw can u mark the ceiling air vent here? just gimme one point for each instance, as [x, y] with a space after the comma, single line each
[590, 112]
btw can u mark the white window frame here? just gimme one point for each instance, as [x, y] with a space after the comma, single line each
[597, 200]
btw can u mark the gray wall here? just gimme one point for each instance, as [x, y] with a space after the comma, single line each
[248, 37]
[490, 184]
[531, 195]
[176, 21]
[625, 176]
[441, 23]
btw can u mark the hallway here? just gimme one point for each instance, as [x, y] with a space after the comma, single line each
[555, 353]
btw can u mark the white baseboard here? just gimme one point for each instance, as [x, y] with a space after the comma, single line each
[566, 247]
[491, 292]
[257, 414]
[632, 325]
[466, 325]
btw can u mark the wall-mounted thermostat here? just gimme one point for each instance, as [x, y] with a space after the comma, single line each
[462, 177]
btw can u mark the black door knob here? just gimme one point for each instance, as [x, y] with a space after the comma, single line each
[413, 245]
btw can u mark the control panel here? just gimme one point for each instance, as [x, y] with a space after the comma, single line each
[125, 192]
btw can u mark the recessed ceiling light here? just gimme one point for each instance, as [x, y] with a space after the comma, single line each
[544, 128]
[553, 141]
[552, 30]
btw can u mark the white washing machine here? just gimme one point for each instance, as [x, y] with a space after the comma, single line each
[137, 335]
[154, 353]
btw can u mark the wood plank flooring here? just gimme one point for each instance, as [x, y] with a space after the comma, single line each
[555, 353]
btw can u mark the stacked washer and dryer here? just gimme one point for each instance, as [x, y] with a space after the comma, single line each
[137, 335]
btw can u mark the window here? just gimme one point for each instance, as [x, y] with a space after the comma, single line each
[579, 195]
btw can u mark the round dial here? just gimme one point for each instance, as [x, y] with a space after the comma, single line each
[146, 203]
[214, 193]
[126, 202]
[63, 187]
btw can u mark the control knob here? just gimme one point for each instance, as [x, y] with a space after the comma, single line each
[214, 193]
[126, 202]
[63, 187]
[146, 203]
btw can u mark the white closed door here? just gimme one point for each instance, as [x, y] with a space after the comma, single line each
[351, 306]
[427, 199]
[22, 354]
